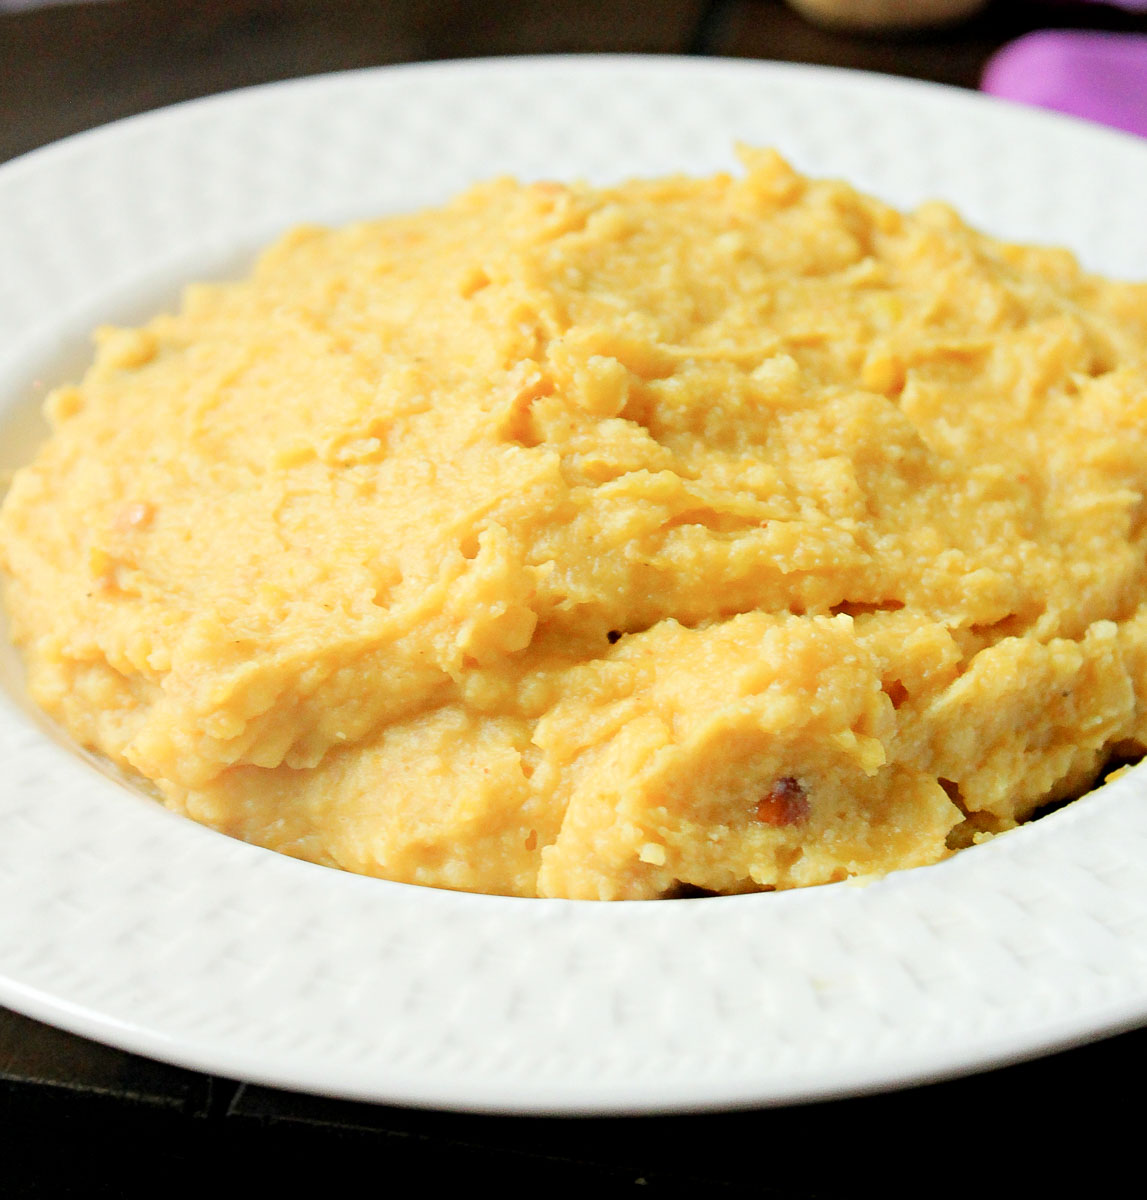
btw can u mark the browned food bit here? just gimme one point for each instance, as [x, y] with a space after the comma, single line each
[896, 692]
[785, 803]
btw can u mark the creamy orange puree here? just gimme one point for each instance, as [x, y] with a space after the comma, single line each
[735, 533]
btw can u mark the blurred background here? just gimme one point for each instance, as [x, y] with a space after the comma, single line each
[81, 1119]
[67, 66]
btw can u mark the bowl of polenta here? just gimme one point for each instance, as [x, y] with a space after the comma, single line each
[494, 488]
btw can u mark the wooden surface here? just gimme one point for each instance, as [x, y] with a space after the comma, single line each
[64, 69]
[81, 1119]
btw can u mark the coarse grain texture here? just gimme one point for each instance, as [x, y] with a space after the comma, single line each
[733, 533]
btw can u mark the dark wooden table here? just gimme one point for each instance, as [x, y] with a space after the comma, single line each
[81, 1119]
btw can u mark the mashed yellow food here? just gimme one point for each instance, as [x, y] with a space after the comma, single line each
[734, 533]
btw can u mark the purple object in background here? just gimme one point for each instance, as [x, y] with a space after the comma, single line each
[1100, 76]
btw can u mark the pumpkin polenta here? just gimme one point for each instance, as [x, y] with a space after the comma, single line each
[736, 533]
